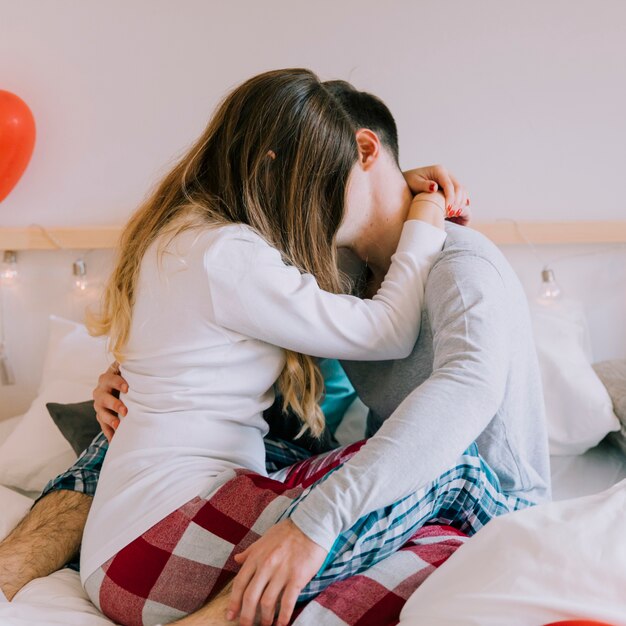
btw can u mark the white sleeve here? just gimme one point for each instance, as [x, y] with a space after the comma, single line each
[255, 293]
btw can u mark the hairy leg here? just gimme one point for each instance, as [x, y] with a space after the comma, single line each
[44, 541]
[211, 614]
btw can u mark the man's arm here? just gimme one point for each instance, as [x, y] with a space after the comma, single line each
[49, 536]
[44, 541]
[430, 429]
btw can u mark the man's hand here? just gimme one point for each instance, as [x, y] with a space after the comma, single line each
[435, 177]
[275, 568]
[107, 404]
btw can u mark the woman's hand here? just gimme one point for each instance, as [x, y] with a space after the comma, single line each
[436, 177]
[275, 568]
[107, 404]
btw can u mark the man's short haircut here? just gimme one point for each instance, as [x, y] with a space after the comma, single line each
[366, 111]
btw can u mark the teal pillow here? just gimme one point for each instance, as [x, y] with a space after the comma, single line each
[339, 393]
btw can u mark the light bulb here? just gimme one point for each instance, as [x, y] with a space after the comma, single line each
[79, 270]
[550, 290]
[8, 271]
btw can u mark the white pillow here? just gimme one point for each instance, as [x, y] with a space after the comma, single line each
[578, 407]
[557, 561]
[73, 355]
[35, 451]
[13, 507]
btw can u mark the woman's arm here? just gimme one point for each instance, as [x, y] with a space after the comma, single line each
[255, 293]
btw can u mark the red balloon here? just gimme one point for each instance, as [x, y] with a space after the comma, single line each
[17, 140]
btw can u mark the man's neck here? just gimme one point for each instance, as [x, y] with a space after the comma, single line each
[378, 242]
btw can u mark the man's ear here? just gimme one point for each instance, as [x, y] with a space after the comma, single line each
[369, 147]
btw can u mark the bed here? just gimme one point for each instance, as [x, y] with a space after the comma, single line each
[59, 598]
[589, 484]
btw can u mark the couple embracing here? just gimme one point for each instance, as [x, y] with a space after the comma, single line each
[227, 296]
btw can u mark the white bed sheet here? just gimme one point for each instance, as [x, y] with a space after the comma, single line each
[556, 561]
[58, 599]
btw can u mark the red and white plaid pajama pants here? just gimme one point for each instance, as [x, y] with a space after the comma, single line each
[185, 560]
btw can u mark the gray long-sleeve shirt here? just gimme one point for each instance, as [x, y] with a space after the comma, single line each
[472, 376]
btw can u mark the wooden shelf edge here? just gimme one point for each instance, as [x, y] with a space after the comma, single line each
[502, 233]
[550, 233]
[34, 238]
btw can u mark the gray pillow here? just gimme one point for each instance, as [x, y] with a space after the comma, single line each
[613, 375]
[77, 423]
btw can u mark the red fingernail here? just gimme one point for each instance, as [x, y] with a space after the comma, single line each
[467, 202]
[449, 208]
[458, 213]
[433, 187]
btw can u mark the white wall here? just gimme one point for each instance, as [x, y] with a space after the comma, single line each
[524, 101]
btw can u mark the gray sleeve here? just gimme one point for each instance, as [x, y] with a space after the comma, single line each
[466, 302]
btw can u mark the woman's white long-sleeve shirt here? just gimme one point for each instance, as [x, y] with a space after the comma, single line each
[212, 318]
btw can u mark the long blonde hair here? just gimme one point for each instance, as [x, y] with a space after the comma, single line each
[276, 156]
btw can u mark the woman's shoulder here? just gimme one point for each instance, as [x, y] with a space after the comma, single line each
[202, 238]
[233, 232]
[234, 246]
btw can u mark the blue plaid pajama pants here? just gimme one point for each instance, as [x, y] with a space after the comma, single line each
[466, 497]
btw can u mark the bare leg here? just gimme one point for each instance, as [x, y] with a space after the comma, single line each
[44, 541]
[211, 614]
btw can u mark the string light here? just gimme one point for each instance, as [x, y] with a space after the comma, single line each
[79, 267]
[79, 270]
[8, 271]
[9, 275]
[550, 290]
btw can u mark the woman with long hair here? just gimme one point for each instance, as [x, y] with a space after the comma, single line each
[226, 285]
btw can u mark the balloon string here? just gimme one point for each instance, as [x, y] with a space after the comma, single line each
[563, 257]
[526, 240]
[49, 236]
